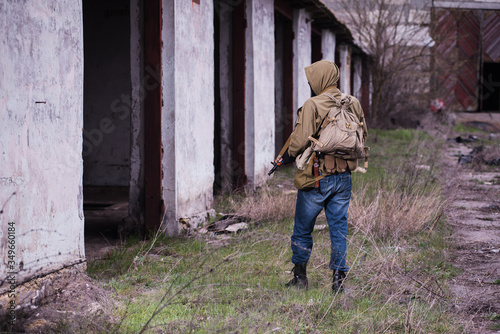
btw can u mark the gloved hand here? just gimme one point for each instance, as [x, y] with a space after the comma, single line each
[287, 159]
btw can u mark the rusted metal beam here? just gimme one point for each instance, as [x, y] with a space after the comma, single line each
[152, 116]
[239, 64]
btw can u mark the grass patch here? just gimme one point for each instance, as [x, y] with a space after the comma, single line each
[235, 283]
[461, 128]
[494, 327]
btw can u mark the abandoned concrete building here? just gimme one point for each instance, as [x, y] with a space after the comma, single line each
[159, 103]
[467, 54]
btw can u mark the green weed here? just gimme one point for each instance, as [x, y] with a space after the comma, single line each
[235, 283]
[461, 128]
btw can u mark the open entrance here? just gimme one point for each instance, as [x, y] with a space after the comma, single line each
[229, 92]
[122, 120]
[338, 63]
[106, 133]
[490, 89]
[316, 53]
[283, 75]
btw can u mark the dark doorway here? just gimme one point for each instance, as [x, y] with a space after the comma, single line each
[229, 93]
[490, 87]
[239, 64]
[316, 53]
[283, 76]
[365, 86]
[338, 63]
[106, 133]
[223, 96]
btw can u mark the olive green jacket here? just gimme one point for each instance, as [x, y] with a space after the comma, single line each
[322, 77]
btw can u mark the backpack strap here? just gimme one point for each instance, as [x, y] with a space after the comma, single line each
[337, 101]
[344, 102]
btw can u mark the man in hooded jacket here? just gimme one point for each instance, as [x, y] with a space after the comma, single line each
[334, 191]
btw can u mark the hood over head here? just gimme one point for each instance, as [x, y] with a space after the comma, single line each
[321, 75]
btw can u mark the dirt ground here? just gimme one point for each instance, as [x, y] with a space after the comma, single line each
[76, 305]
[473, 194]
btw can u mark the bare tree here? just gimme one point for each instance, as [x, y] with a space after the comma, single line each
[394, 33]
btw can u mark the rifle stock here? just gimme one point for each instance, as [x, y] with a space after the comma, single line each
[279, 159]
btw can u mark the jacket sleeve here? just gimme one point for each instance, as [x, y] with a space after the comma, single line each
[305, 126]
[358, 111]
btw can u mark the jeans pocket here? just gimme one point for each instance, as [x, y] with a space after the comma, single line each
[346, 181]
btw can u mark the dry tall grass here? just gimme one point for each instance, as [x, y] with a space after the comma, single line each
[399, 208]
[266, 204]
[394, 213]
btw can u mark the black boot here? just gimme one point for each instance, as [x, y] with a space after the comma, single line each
[299, 279]
[338, 281]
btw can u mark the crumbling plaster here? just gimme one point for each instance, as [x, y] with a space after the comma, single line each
[188, 111]
[356, 76]
[345, 68]
[328, 43]
[302, 57]
[259, 122]
[140, 82]
[41, 99]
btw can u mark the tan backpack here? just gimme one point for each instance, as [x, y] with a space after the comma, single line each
[341, 133]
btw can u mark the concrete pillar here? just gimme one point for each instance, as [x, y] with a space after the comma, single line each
[188, 112]
[259, 120]
[345, 68]
[249, 94]
[139, 88]
[328, 41]
[302, 57]
[279, 89]
[169, 163]
[357, 72]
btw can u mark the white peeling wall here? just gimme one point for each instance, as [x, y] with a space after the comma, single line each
[41, 119]
[188, 67]
[345, 68]
[356, 76]
[168, 126]
[260, 90]
[302, 57]
[328, 43]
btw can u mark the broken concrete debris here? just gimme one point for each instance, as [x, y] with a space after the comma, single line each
[477, 156]
[469, 158]
[227, 224]
[460, 139]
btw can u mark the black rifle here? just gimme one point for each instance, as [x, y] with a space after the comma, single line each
[279, 159]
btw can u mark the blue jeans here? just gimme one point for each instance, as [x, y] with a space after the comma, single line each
[334, 195]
